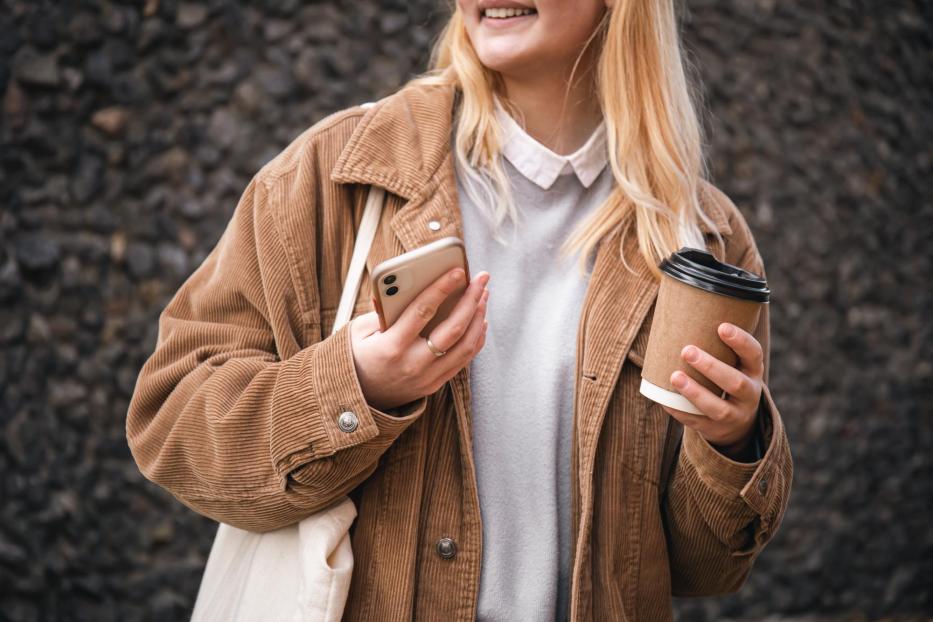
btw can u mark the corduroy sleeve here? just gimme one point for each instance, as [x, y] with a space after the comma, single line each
[720, 513]
[230, 414]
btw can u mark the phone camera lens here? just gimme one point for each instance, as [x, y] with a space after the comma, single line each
[389, 279]
[392, 291]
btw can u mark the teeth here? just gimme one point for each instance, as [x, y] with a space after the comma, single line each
[500, 13]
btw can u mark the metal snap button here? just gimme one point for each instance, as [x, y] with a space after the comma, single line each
[762, 485]
[434, 225]
[347, 421]
[446, 547]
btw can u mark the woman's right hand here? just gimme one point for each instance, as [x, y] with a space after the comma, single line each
[397, 366]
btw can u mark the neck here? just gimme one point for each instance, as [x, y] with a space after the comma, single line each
[559, 118]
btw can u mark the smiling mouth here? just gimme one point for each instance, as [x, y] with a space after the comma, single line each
[507, 13]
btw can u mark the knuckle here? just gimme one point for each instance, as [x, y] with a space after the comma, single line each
[446, 287]
[425, 310]
[713, 415]
[721, 413]
[737, 386]
[386, 356]
[756, 346]
[394, 351]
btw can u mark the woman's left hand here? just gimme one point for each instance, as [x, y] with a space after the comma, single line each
[727, 423]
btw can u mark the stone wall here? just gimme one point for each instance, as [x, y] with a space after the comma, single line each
[129, 129]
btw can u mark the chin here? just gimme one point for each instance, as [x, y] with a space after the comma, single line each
[501, 65]
[504, 62]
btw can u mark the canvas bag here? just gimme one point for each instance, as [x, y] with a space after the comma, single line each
[301, 572]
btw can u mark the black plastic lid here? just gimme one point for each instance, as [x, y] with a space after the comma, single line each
[700, 269]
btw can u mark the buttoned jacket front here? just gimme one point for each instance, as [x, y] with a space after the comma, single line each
[236, 412]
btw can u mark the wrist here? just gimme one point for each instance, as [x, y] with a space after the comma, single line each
[745, 449]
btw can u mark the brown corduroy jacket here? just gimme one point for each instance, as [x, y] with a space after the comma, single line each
[235, 413]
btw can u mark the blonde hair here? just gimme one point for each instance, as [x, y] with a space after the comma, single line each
[654, 137]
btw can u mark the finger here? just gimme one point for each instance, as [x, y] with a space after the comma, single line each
[697, 422]
[422, 309]
[751, 356]
[464, 350]
[482, 338]
[727, 377]
[710, 405]
[449, 331]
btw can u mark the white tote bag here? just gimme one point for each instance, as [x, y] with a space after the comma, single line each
[301, 572]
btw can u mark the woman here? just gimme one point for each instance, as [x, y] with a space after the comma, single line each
[505, 473]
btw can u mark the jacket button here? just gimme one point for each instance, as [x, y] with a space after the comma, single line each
[446, 548]
[762, 485]
[434, 225]
[347, 421]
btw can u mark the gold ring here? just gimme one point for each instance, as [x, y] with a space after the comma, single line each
[433, 347]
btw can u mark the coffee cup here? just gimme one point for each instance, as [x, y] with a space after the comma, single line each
[697, 293]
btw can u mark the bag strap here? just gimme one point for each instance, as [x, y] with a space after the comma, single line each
[364, 241]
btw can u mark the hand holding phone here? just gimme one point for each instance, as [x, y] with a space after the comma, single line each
[397, 282]
[393, 361]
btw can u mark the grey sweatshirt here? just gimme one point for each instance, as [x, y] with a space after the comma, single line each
[522, 380]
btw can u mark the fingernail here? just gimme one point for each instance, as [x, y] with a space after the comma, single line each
[457, 275]
[679, 379]
[729, 331]
[691, 354]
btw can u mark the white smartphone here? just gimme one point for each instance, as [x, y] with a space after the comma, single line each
[396, 282]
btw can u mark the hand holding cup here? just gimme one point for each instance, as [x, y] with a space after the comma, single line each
[727, 422]
[702, 364]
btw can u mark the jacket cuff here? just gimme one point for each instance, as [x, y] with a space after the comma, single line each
[313, 389]
[750, 488]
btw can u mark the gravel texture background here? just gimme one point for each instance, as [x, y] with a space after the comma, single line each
[129, 129]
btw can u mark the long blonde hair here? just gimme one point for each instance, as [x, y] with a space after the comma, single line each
[654, 137]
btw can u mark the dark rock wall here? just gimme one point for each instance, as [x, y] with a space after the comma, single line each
[129, 129]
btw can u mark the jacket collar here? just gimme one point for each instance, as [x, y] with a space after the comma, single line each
[403, 140]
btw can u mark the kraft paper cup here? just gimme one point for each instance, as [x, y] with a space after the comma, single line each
[696, 295]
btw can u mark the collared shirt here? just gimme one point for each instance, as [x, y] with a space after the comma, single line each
[541, 165]
[522, 381]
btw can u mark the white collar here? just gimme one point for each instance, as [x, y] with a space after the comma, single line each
[540, 164]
